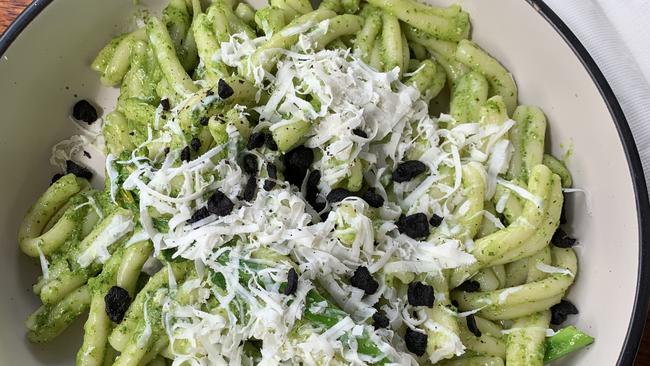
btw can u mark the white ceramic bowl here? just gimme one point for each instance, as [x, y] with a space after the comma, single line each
[44, 69]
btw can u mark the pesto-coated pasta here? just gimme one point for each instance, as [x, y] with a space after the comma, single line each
[281, 183]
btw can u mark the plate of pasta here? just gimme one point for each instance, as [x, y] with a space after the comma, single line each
[346, 182]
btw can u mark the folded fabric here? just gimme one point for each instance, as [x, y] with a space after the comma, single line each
[616, 35]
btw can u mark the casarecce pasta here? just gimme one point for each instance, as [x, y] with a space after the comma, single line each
[279, 190]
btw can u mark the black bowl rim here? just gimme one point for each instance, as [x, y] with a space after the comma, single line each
[641, 302]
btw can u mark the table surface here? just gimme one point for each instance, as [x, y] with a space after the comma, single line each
[9, 9]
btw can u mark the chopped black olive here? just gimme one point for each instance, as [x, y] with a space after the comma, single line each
[272, 170]
[204, 121]
[270, 142]
[116, 302]
[185, 154]
[408, 170]
[561, 240]
[415, 226]
[435, 220]
[268, 185]
[359, 132]
[559, 312]
[195, 144]
[87, 154]
[380, 320]
[312, 186]
[164, 103]
[250, 188]
[455, 303]
[319, 205]
[416, 342]
[338, 195]
[73, 168]
[199, 215]
[292, 282]
[255, 141]
[219, 204]
[373, 198]
[296, 163]
[471, 325]
[224, 90]
[249, 164]
[420, 294]
[55, 177]
[166, 151]
[84, 111]
[363, 279]
[469, 286]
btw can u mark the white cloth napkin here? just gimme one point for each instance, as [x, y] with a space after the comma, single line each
[617, 35]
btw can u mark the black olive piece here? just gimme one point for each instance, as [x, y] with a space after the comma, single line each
[73, 168]
[199, 215]
[312, 186]
[408, 170]
[416, 342]
[292, 282]
[164, 103]
[272, 170]
[559, 312]
[116, 302]
[219, 204]
[319, 205]
[166, 151]
[56, 177]
[87, 154]
[471, 325]
[296, 163]
[195, 144]
[363, 279]
[338, 195]
[249, 164]
[224, 90]
[185, 154]
[561, 240]
[373, 198]
[255, 141]
[268, 185]
[270, 142]
[420, 294]
[469, 286]
[435, 220]
[455, 303]
[415, 226]
[204, 121]
[359, 132]
[249, 190]
[84, 111]
[380, 320]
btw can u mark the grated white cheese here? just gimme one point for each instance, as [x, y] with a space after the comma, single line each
[522, 192]
[553, 270]
[118, 227]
